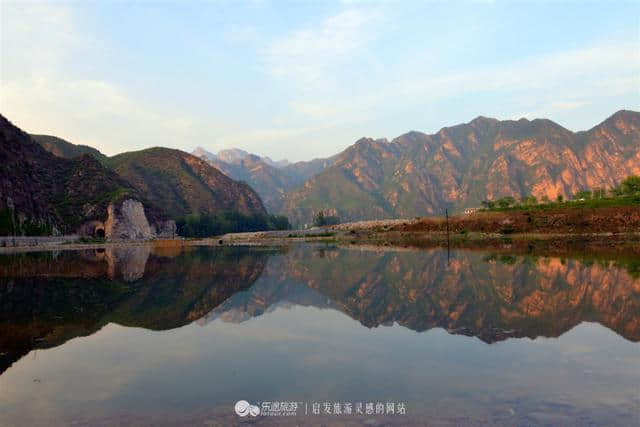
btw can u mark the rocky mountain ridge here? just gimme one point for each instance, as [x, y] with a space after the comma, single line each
[418, 174]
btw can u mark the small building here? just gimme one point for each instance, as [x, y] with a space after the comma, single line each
[471, 211]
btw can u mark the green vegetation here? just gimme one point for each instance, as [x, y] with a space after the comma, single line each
[322, 220]
[206, 225]
[627, 193]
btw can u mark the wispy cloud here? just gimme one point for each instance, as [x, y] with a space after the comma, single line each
[572, 78]
[309, 55]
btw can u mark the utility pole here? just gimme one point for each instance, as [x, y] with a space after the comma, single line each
[446, 214]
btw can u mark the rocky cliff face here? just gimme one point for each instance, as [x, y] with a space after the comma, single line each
[418, 174]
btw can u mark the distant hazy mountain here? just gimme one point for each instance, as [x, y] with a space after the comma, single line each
[418, 174]
[235, 156]
[271, 179]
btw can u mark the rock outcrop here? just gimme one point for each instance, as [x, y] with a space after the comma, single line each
[127, 221]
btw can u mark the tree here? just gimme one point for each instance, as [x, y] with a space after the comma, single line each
[488, 204]
[560, 198]
[319, 220]
[529, 200]
[505, 202]
[205, 225]
[630, 186]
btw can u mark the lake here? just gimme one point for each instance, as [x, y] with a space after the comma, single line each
[317, 334]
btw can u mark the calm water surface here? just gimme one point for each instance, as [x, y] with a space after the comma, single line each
[144, 336]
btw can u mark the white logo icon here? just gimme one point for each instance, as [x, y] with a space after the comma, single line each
[244, 408]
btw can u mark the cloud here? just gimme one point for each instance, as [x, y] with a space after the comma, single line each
[44, 88]
[92, 112]
[570, 78]
[308, 55]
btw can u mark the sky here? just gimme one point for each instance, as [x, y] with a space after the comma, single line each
[306, 79]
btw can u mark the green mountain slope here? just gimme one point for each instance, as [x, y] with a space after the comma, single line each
[182, 184]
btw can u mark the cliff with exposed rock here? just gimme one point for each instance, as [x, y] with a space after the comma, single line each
[418, 174]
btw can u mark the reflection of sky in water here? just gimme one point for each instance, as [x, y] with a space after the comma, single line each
[309, 354]
[288, 337]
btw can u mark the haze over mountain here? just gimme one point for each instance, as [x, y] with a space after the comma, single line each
[271, 179]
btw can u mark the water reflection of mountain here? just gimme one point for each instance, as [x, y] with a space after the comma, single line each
[490, 297]
[48, 298]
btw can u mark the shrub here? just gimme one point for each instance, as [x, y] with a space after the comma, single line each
[321, 220]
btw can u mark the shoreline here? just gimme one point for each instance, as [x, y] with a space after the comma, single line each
[601, 229]
[621, 243]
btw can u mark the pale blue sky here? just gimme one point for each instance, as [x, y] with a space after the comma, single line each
[303, 79]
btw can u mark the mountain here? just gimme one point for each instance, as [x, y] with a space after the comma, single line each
[182, 183]
[61, 148]
[235, 156]
[173, 179]
[44, 194]
[418, 174]
[271, 179]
